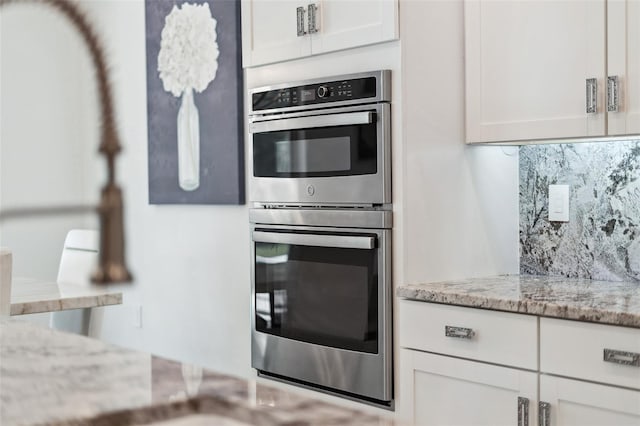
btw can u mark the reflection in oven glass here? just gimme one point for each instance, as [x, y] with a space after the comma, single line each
[313, 155]
[271, 254]
[263, 307]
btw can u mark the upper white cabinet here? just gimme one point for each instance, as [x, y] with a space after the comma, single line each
[279, 30]
[623, 52]
[539, 69]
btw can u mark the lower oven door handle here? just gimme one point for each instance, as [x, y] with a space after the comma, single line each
[329, 120]
[338, 241]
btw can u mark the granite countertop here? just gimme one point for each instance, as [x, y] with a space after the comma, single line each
[54, 378]
[605, 302]
[30, 296]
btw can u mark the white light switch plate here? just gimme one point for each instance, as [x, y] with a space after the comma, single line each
[136, 320]
[558, 203]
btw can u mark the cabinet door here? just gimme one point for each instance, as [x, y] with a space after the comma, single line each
[623, 52]
[582, 404]
[350, 23]
[269, 31]
[451, 391]
[527, 65]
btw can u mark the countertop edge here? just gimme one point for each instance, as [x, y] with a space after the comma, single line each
[530, 307]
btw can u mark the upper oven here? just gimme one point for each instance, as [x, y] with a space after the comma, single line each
[323, 142]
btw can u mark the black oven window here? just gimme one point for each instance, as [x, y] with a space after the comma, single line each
[321, 295]
[317, 152]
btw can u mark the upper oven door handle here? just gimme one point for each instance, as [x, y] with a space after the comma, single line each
[328, 120]
[316, 240]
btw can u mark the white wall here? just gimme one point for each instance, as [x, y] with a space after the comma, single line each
[190, 263]
[461, 209]
[41, 133]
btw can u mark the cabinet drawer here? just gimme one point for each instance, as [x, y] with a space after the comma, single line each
[578, 349]
[498, 337]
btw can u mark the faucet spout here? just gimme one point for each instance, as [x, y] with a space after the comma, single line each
[112, 267]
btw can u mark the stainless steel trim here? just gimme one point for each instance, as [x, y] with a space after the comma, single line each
[365, 374]
[523, 411]
[300, 21]
[459, 332]
[544, 414]
[592, 95]
[621, 357]
[315, 240]
[385, 405]
[383, 91]
[327, 120]
[612, 94]
[321, 112]
[312, 11]
[343, 218]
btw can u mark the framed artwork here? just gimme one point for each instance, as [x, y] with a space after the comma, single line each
[194, 102]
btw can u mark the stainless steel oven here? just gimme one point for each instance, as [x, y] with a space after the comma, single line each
[322, 141]
[321, 235]
[322, 299]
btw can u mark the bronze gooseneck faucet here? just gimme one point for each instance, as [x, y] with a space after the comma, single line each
[111, 267]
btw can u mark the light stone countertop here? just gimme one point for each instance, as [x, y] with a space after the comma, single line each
[604, 302]
[30, 296]
[54, 378]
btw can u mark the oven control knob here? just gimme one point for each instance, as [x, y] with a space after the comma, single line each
[322, 91]
[311, 190]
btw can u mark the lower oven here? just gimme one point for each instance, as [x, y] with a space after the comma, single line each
[321, 300]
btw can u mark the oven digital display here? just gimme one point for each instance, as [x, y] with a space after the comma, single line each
[307, 95]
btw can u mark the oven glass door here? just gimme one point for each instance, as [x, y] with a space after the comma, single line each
[318, 288]
[316, 146]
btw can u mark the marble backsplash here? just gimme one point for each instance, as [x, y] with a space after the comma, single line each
[602, 238]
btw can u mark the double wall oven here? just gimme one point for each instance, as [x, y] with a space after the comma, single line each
[321, 234]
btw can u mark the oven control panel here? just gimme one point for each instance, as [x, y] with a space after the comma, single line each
[312, 94]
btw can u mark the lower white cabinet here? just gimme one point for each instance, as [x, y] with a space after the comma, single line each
[586, 374]
[577, 403]
[452, 391]
[605, 354]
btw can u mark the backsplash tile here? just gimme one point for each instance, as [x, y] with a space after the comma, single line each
[602, 238]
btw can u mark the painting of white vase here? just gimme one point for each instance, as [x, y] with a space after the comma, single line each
[194, 102]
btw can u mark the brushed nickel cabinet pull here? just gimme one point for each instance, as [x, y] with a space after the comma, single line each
[613, 101]
[544, 414]
[523, 411]
[592, 95]
[622, 357]
[458, 332]
[300, 21]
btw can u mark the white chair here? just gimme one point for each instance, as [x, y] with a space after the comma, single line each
[5, 282]
[78, 260]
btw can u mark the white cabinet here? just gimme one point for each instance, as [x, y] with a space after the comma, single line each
[539, 69]
[269, 32]
[623, 53]
[488, 370]
[279, 30]
[598, 353]
[577, 403]
[498, 337]
[441, 388]
[451, 391]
